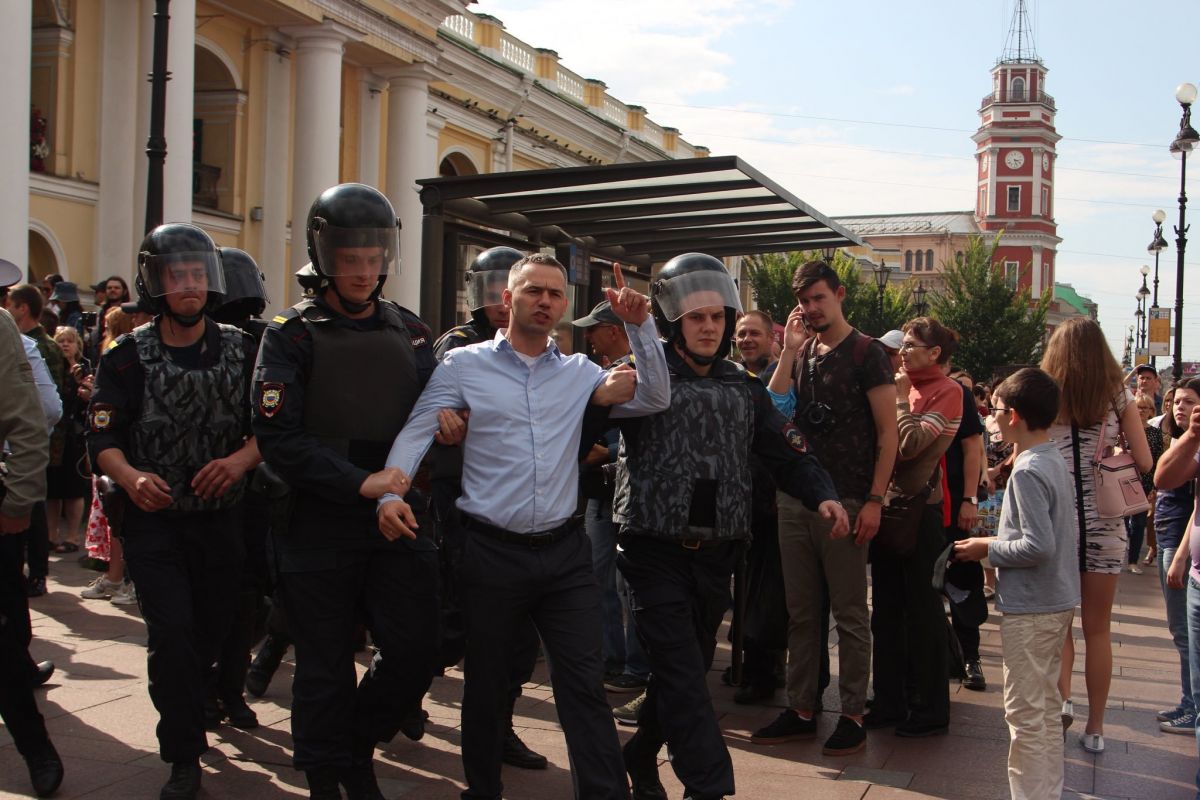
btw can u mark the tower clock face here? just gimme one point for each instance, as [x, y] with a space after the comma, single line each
[1015, 159]
[983, 162]
[1045, 162]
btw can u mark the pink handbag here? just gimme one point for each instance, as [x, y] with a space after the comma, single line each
[1118, 486]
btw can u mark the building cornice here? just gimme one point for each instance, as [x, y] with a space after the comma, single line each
[58, 188]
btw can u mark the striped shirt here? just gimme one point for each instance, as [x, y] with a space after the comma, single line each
[927, 424]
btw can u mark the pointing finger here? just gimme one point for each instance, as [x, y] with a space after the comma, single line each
[618, 278]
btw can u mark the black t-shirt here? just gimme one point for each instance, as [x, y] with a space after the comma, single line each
[971, 425]
[846, 444]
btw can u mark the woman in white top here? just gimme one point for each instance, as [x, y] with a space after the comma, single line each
[1099, 408]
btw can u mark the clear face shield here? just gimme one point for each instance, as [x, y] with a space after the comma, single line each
[356, 251]
[694, 290]
[175, 273]
[486, 288]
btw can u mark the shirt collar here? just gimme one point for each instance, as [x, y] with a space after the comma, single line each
[501, 342]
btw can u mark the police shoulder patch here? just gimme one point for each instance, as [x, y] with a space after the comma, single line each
[795, 438]
[101, 416]
[271, 399]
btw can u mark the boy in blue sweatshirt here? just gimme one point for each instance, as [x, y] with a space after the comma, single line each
[1037, 575]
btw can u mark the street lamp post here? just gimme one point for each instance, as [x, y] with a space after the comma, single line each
[1143, 297]
[1157, 245]
[881, 281]
[156, 145]
[1185, 141]
[919, 304]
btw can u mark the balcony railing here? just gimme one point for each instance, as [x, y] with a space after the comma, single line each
[461, 25]
[1040, 98]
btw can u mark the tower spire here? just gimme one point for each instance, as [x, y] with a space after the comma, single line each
[1020, 47]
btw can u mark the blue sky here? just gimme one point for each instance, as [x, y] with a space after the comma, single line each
[864, 106]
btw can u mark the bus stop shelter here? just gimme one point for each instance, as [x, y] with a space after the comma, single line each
[637, 215]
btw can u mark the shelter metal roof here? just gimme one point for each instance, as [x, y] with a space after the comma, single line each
[958, 222]
[641, 213]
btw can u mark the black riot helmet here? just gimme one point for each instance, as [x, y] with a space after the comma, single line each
[309, 280]
[487, 278]
[178, 257]
[353, 216]
[685, 283]
[245, 295]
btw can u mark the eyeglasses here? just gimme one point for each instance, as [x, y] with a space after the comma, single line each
[908, 347]
[998, 409]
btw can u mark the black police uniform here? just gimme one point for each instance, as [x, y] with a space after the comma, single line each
[683, 505]
[331, 393]
[447, 486]
[172, 410]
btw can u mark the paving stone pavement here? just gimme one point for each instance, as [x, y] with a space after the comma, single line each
[102, 722]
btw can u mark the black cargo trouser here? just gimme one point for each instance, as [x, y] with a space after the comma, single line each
[396, 590]
[679, 596]
[185, 568]
[18, 708]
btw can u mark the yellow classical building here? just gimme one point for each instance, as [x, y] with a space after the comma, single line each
[269, 103]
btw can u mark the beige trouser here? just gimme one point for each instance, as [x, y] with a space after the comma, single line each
[1032, 646]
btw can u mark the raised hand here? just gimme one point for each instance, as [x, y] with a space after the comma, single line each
[628, 305]
[795, 332]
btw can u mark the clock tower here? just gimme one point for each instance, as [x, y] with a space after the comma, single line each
[1015, 157]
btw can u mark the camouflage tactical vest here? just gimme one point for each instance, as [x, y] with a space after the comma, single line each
[189, 416]
[695, 452]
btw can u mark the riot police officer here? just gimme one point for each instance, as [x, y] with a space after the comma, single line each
[487, 278]
[336, 377]
[170, 424]
[242, 304]
[683, 506]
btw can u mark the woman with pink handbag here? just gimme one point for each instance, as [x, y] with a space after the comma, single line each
[1096, 411]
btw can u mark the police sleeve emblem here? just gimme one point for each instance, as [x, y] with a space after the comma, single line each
[102, 414]
[271, 399]
[795, 438]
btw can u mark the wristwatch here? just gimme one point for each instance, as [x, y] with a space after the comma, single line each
[875, 498]
[972, 500]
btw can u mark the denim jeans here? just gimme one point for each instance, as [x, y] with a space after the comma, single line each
[1193, 626]
[1135, 530]
[622, 651]
[1177, 624]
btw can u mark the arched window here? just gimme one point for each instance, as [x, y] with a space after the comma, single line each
[929, 261]
[1018, 90]
[920, 260]
[908, 260]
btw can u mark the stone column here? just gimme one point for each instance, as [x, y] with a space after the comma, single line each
[117, 227]
[316, 125]
[370, 99]
[181, 97]
[15, 54]
[272, 255]
[409, 159]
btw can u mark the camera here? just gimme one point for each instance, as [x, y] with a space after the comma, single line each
[89, 319]
[817, 414]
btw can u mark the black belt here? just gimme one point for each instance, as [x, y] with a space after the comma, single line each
[686, 544]
[533, 541]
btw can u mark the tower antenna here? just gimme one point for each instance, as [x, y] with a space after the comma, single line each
[1019, 46]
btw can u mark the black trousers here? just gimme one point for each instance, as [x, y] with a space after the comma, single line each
[18, 708]
[969, 615]
[908, 630]
[234, 660]
[679, 597]
[395, 590]
[37, 542]
[504, 585]
[185, 568]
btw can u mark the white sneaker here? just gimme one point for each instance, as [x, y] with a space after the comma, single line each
[1135, 569]
[100, 589]
[126, 596]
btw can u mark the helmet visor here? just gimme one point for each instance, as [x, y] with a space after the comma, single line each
[173, 273]
[356, 251]
[485, 288]
[241, 284]
[693, 290]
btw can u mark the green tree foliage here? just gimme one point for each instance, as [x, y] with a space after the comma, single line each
[997, 324]
[771, 274]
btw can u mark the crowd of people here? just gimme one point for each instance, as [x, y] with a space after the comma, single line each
[490, 495]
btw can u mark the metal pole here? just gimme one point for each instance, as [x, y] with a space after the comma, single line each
[1180, 246]
[1157, 236]
[156, 145]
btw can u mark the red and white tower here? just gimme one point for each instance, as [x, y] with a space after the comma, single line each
[1016, 159]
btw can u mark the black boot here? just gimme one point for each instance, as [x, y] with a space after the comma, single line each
[518, 754]
[323, 784]
[184, 782]
[360, 782]
[643, 771]
[262, 669]
[212, 714]
[240, 715]
[45, 770]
